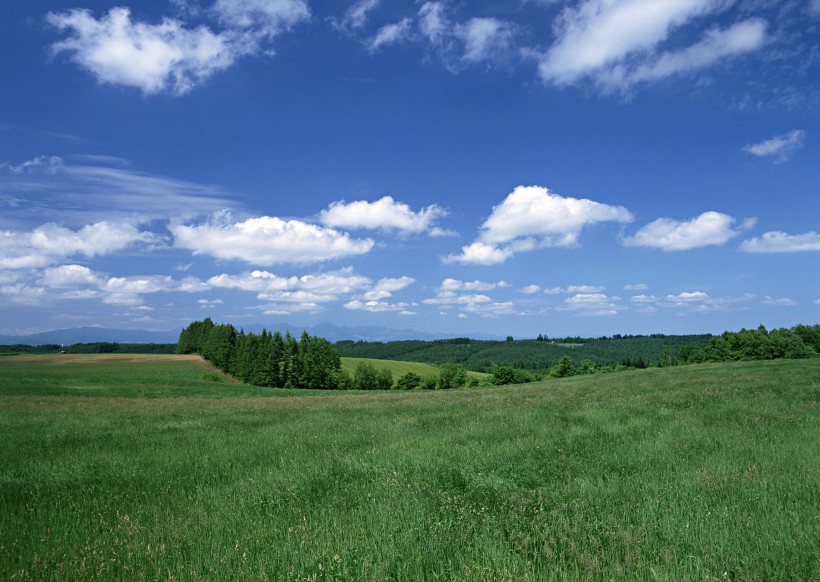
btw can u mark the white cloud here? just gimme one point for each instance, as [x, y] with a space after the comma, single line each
[356, 16]
[169, 56]
[708, 229]
[572, 289]
[535, 211]
[782, 302]
[383, 214]
[375, 306]
[644, 299]
[592, 305]
[484, 38]
[531, 289]
[39, 165]
[780, 242]
[433, 22]
[373, 299]
[479, 253]
[459, 44]
[533, 217]
[450, 284]
[385, 287]
[70, 276]
[329, 284]
[687, 297]
[491, 310]
[450, 298]
[619, 42]
[51, 242]
[780, 147]
[391, 34]
[77, 282]
[262, 17]
[267, 240]
[717, 45]
[636, 287]
[151, 57]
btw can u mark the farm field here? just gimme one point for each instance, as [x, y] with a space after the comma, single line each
[117, 467]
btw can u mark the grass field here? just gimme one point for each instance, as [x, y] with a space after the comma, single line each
[699, 472]
[399, 368]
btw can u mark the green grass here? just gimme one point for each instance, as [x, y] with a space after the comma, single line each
[698, 472]
[400, 368]
[396, 367]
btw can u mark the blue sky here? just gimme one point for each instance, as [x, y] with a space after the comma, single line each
[526, 167]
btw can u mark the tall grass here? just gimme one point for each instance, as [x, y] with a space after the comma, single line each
[700, 472]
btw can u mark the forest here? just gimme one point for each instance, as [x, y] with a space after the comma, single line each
[266, 359]
[632, 351]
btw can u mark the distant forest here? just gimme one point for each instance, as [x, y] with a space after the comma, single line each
[91, 348]
[634, 351]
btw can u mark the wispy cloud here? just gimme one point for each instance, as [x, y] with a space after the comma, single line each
[780, 242]
[55, 189]
[780, 148]
[618, 44]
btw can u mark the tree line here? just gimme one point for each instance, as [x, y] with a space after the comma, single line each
[265, 359]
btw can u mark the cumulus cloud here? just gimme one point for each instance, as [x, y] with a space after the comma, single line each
[780, 147]
[780, 242]
[619, 43]
[170, 56]
[267, 240]
[383, 214]
[479, 253]
[708, 229]
[52, 242]
[532, 217]
[151, 57]
[531, 289]
[636, 287]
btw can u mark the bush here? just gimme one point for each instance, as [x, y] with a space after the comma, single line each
[409, 381]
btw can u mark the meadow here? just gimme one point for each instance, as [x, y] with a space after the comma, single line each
[399, 368]
[146, 468]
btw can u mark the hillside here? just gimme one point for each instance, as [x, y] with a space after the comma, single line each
[481, 355]
[153, 470]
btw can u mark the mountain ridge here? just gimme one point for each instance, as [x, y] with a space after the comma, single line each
[326, 330]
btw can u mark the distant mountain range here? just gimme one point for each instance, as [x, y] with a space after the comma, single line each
[329, 331]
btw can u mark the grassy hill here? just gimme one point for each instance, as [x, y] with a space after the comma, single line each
[399, 368]
[696, 472]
